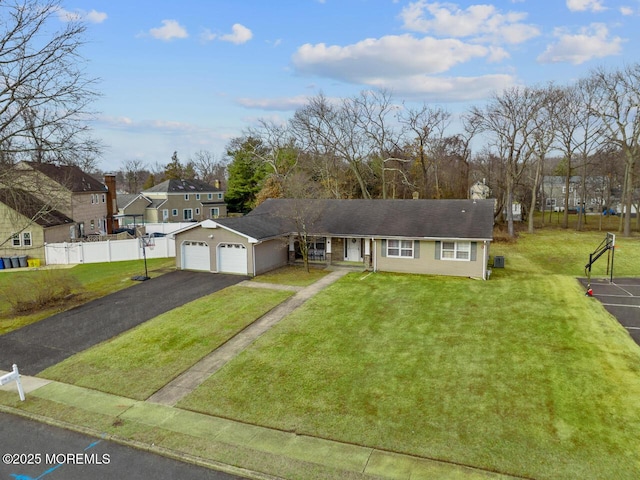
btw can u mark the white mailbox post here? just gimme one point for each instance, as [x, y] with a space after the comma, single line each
[13, 376]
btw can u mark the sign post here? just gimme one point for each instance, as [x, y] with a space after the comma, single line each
[13, 376]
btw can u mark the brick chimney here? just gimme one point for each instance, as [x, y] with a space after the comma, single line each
[112, 203]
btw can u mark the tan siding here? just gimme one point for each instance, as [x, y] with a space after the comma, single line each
[271, 254]
[427, 264]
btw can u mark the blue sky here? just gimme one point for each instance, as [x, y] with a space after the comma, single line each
[190, 75]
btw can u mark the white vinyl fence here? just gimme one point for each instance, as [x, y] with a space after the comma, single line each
[166, 228]
[107, 251]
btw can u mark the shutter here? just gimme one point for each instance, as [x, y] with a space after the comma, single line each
[384, 248]
[416, 249]
[474, 251]
[437, 250]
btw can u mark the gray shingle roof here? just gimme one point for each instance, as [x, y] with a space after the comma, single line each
[182, 186]
[29, 206]
[380, 218]
[70, 177]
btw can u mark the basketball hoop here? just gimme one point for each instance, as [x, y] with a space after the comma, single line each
[147, 242]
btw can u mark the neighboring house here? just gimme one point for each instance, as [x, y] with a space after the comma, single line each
[554, 190]
[176, 201]
[26, 224]
[438, 237]
[71, 191]
[479, 191]
[131, 209]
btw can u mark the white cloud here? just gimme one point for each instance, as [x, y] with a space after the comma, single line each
[626, 11]
[591, 42]
[207, 35]
[277, 104]
[584, 5]
[447, 89]
[80, 15]
[482, 22]
[389, 56]
[239, 35]
[169, 30]
[96, 17]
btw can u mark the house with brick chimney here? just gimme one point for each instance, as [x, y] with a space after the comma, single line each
[47, 203]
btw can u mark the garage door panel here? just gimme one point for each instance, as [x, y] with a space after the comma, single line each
[196, 256]
[232, 258]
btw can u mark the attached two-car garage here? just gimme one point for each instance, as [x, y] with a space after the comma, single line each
[230, 257]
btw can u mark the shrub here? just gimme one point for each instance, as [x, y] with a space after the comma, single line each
[32, 292]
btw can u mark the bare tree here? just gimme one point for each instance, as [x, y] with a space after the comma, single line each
[134, 174]
[507, 119]
[207, 167]
[45, 96]
[425, 127]
[617, 99]
[543, 137]
[44, 91]
[332, 131]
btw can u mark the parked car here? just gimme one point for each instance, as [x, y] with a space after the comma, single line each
[609, 211]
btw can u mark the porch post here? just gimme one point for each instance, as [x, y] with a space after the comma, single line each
[292, 250]
[328, 251]
[367, 253]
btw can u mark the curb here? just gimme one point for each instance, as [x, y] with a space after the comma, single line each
[157, 450]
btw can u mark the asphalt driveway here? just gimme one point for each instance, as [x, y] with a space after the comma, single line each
[40, 345]
[621, 298]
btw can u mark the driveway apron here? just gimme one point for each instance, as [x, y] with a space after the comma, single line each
[43, 344]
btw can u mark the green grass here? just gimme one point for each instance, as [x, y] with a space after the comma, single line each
[93, 281]
[296, 276]
[522, 374]
[139, 362]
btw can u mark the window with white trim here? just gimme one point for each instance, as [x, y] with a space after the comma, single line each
[187, 214]
[26, 239]
[215, 212]
[174, 212]
[400, 248]
[15, 240]
[197, 211]
[186, 197]
[455, 251]
[197, 196]
[220, 196]
[209, 196]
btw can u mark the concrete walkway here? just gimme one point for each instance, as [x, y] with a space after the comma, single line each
[189, 380]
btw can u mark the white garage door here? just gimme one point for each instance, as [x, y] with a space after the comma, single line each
[232, 258]
[195, 256]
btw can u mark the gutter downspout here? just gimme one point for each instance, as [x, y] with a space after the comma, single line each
[375, 255]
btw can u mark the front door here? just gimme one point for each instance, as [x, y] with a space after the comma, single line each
[352, 250]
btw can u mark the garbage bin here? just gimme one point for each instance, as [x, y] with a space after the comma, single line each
[22, 261]
[7, 262]
[15, 262]
[1, 264]
[33, 262]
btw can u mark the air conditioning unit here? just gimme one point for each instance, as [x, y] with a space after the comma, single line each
[498, 262]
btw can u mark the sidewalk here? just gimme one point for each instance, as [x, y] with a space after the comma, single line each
[260, 453]
[299, 451]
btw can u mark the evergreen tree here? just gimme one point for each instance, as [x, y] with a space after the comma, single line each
[246, 173]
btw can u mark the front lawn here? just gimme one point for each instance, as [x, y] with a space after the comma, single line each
[522, 375]
[295, 275]
[141, 361]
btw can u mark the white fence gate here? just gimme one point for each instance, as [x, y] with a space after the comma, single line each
[107, 251]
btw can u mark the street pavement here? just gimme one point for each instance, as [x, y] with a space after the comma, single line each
[32, 450]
